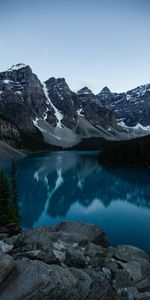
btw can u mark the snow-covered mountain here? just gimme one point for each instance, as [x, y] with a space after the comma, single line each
[132, 108]
[57, 116]
[61, 116]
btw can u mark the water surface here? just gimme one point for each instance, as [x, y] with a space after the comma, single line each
[73, 186]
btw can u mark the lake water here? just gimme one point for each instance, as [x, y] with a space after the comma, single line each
[73, 186]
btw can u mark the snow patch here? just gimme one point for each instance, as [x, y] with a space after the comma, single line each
[85, 93]
[79, 112]
[60, 96]
[128, 97]
[58, 114]
[7, 81]
[18, 93]
[17, 67]
[138, 126]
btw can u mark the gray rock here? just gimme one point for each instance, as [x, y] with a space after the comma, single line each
[75, 245]
[7, 264]
[48, 257]
[127, 253]
[3, 236]
[126, 294]
[35, 239]
[111, 264]
[37, 280]
[145, 296]
[97, 254]
[74, 258]
[107, 273]
[70, 261]
[129, 293]
[122, 279]
[72, 232]
[142, 284]
[4, 247]
[137, 269]
[84, 281]
[101, 288]
[59, 246]
[60, 256]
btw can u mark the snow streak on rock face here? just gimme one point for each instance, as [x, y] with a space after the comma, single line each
[58, 114]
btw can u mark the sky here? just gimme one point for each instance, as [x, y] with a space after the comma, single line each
[92, 43]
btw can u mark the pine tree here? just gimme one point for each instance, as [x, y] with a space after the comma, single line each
[14, 196]
[4, 199]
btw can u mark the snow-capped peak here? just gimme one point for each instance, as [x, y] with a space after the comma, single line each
[17, 67]
[138, 92]
[84, 91]
[105, 91]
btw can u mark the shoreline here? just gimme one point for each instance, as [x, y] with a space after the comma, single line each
[71, 260]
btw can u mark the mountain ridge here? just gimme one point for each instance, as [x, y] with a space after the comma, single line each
[64, 117]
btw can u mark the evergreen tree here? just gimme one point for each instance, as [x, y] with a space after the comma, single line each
[9, 211]
[14, 195]
[4, 199]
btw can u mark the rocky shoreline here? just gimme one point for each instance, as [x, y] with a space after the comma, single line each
[71, 261]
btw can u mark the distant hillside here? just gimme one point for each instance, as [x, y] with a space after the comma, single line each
[134, 153]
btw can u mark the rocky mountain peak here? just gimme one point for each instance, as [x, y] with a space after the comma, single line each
[18, 73]
[105, 97]
[139, 91]
[84, 91]
[105, 92]
[18, 67]
[57, 83]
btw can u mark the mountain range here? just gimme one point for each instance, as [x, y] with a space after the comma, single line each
[35, 115]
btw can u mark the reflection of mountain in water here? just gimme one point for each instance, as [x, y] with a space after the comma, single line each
[51, 184]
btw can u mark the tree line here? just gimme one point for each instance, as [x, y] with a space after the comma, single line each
[133, 152]
[9, 210]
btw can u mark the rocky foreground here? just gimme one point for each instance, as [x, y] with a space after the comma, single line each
[71, 261]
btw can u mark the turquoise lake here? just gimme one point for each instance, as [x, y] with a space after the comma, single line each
[73, 186]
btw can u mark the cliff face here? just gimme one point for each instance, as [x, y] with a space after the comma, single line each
[9, 133]
[21, 96]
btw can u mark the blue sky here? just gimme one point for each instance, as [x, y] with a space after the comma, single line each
[89, 42]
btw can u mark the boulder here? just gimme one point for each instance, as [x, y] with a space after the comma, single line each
[97, 254]
[127, 253]
[75, 232]
[7, 264]
[4, 247]
[74, 258]
[37, 280]
[137, 269]
[122, 279]
[101, 288]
